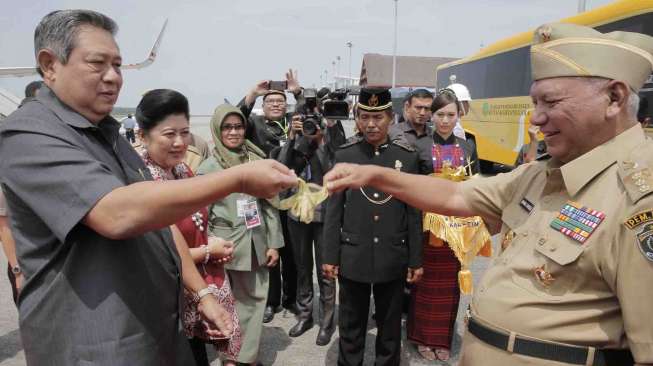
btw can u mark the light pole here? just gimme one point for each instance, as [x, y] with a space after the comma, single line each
[338, 68]
[326, 78]
[349, 44]
[394, 51]
[333, 69]
[581, 6]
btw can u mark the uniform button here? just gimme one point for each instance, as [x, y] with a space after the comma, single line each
[347, 239]
[377, 153]
[376, 240]
[376, 217]
[552, 249]
[376, 195]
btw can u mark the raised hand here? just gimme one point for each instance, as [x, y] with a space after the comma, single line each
[293, 82]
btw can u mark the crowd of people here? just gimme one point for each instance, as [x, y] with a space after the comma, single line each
[144, 249]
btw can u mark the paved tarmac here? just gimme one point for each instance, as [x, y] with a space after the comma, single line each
[277, 348]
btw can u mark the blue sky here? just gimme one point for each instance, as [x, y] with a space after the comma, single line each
[215, 49]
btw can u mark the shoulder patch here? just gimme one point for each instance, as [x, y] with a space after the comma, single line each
[403, 144]
[638, 219]
[351, 141]
[645, 240]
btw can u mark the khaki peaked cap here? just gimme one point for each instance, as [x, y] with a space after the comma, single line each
[562, 49]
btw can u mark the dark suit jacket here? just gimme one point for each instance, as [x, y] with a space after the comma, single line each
[267, 135]
[373, 243]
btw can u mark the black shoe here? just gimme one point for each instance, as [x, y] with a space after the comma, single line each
[300, 328]
[268, 314]
[323, 337]
[292, 308]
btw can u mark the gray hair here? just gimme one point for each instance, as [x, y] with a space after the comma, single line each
[632, 106]
[58, 30]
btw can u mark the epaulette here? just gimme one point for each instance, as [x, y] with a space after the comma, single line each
[351, 141]
[403, 144]
[636, 173]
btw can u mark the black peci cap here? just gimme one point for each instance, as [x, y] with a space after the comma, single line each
[374, 99]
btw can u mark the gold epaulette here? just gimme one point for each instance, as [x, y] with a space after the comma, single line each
[636, 173]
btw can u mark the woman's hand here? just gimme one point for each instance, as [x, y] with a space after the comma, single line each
[217, 318]
[221, 250]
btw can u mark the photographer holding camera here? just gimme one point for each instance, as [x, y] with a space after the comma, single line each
[269, 132]
[310, 151]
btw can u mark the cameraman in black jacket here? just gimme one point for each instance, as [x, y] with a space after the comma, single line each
[310, 152]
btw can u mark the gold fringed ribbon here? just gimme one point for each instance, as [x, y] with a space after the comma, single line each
[466, 236]
[302, 204]
[465, 281]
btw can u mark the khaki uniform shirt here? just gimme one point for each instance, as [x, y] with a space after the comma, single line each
[601, 293]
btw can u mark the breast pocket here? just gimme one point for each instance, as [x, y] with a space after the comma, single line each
[548, 266]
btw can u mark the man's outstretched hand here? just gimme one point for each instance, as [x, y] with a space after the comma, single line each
[345, 175]
[265, 178]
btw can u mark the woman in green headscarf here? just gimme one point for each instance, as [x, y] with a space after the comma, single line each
[251, 224]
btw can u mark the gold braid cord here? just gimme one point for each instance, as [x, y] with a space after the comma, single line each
[302, 204]
[467, 236]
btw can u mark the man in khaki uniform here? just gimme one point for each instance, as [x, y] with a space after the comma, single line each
[573, 284]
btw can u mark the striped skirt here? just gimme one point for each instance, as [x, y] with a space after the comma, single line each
[434, 300]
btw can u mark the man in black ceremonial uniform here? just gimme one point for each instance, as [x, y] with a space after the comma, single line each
[373, 242]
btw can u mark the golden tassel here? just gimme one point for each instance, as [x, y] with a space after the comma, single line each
[465, 281]
[302, 204]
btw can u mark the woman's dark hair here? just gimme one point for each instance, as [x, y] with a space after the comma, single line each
[157, 105]
[443, 98]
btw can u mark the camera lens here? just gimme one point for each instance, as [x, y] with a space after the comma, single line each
[309, 127]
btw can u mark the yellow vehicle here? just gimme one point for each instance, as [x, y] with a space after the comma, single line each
[499, 79]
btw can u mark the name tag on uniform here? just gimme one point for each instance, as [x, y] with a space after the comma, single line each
[526, 205]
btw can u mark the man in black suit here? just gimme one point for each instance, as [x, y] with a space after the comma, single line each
[373, 242]
[269, 132]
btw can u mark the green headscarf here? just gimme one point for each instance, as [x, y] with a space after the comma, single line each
[226, 157]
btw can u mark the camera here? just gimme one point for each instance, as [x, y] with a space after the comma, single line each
[278, 85]
[311, 118]
[335, 107]
[323, 104]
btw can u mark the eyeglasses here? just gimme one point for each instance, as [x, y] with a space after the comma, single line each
[236, 128]
[275, 101]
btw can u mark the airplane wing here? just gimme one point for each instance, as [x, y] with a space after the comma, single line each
[152, 56]
[27, 71]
